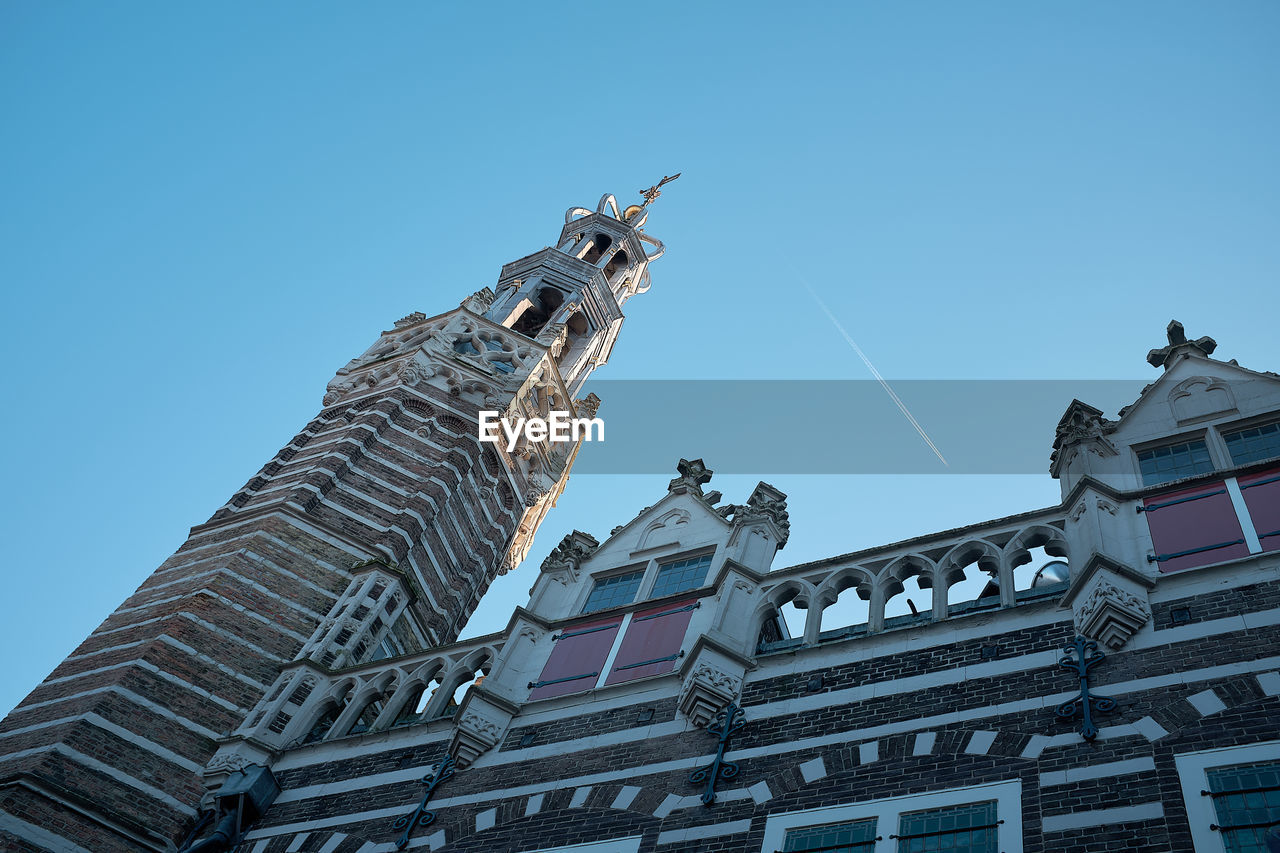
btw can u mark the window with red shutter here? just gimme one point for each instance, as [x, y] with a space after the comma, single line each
[1194, 527]
[577, 659]
[652, 643]
[1262, 496]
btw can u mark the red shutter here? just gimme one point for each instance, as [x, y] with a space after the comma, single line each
[652, 643]
[1194, 527]
[1262, 496]
[577, 659]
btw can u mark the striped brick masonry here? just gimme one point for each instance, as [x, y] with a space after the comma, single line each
[374, 531]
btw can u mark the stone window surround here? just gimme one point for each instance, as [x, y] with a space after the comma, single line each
[1007, 794]
[1218, 456]
[1193, 770]
[650, 568]
[1212, 435]
[1248, 423]
[1187, 444]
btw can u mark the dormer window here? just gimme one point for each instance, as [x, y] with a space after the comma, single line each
[1254, 443]
[1174, 461]
[680, 575]
[613, 591]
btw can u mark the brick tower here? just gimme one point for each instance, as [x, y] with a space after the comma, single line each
[374, 531]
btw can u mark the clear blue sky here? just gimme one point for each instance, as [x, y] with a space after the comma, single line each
[207, 209]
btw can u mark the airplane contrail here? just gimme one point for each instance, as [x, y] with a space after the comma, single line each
[883, 383]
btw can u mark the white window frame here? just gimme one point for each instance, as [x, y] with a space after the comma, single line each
[1007, 794]
[659, 562]
[649, 575]
[1218, 456]
[1221, 430]
[1193, 772]
[613, 845]
[632, 568]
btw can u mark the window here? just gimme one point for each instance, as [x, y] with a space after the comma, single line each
[970, 828]
[496, 346]
[977, 819]
[679, 575]
[857, 836]
[1253, 444]
[1174, 461]
[467, 346]
[388, 647]
[1246, 800]
[613, 591]
[1232, 796]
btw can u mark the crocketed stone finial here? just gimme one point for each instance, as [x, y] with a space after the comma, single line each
[765, 502]
[1163, 357]
[1080, 424]
[572, 550]
[692, 476]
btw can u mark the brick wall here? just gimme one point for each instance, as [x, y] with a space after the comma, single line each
[125, 724]
[772, 749]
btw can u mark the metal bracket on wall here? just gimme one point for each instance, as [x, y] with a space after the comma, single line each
[534, 685]
[1086, 654]
[727, 723]
[421, 817]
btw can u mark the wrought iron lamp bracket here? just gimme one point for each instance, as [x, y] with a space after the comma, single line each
[1082, 655]
[421, 816]
[726, 724]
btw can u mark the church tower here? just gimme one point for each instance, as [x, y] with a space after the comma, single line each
[373, 532]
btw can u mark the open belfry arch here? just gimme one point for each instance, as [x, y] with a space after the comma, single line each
[373, 533]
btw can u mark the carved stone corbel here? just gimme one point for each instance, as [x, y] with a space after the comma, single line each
[706, 692]
[482, 721]
[232, 757]
[712, 678]
[1108, 601]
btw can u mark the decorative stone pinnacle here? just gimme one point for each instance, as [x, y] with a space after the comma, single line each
[587, 406]
[1081, 423]
[1163, 357]
[766, 502]
[692, 476]
[572, 550]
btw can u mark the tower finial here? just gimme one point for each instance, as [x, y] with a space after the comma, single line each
[656, 190]
[1177, 335]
